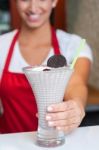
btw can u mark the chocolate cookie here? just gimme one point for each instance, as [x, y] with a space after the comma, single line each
[56, 61]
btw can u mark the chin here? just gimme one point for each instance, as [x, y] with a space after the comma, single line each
[31, 25]
[34, 25]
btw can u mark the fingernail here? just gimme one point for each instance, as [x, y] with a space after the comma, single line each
[49, 108]
[48, 117]
[59, 128]
[50, 123]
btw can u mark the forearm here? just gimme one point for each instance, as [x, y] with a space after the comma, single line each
[77, 88]
[77, 93]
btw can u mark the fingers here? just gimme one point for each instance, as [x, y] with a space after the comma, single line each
[65, 125]
[65, 116]
[62, 123]
[65, 110]
[65, 106]
[61, 115]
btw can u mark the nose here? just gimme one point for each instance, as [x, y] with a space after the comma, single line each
[34, 5]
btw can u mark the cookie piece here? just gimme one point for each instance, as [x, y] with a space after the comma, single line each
[56, 61]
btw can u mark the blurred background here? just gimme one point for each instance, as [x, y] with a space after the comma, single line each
[75, 16]
[4, 16]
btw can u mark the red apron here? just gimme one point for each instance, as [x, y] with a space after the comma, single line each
[17, 97]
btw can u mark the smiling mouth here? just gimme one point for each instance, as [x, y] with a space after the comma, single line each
[33, 17]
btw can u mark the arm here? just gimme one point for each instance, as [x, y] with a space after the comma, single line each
[77, 87]
[68, 115]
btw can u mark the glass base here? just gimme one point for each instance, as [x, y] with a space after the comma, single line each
[49, 138]
[49, 143]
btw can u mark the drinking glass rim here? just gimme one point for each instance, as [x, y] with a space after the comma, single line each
[28, 68]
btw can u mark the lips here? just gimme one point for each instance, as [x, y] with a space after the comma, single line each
[33, 17]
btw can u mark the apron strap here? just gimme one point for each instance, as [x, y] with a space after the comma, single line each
[11, 51]
[55, 42]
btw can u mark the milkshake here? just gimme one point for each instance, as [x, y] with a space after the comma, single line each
[48, 85]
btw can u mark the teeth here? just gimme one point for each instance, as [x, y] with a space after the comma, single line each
[34, 16]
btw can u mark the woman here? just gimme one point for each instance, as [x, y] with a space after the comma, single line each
[33, 44]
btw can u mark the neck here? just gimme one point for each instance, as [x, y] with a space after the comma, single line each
[36, 35]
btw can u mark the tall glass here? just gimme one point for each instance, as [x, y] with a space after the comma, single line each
[48, 85]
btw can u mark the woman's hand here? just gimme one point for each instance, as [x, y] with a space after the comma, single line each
[65, 116]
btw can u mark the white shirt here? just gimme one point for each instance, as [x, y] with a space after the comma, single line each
[68, 45]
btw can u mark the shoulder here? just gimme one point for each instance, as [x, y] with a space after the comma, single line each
[5, 42]
[69, 37]
[62, 35]
[11, 33]
[67, 40]
[7, 37]
[69, 43]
